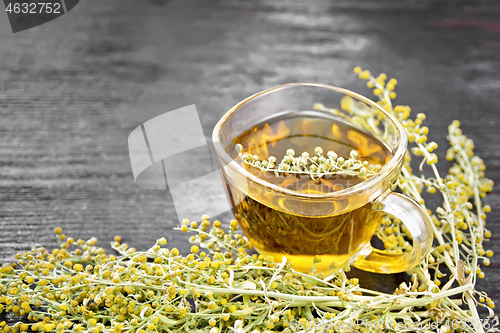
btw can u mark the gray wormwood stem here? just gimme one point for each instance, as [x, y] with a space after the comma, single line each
[315, 166]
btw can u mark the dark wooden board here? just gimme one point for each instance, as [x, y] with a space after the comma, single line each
[73, 89]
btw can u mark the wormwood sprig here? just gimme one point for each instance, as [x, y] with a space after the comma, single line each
[316, 166]
[224, 288]
[458, 224]
[86, 290]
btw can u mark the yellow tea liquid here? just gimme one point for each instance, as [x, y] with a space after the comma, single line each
[336, 238]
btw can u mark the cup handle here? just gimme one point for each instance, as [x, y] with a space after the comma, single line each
[419, 225]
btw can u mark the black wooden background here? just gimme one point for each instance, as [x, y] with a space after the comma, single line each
[72, 90]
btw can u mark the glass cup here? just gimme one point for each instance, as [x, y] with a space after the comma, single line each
[327, 230]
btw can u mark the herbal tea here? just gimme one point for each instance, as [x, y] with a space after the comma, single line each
[336, 238]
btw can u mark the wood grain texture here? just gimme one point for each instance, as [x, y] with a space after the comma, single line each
[73, 89]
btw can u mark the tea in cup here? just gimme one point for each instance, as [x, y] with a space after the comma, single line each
[321, 205]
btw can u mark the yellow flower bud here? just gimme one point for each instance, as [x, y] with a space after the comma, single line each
[365, 75]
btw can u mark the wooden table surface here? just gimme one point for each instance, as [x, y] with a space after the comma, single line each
[72, 90]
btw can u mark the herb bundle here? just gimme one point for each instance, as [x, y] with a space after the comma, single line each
[78, 287]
